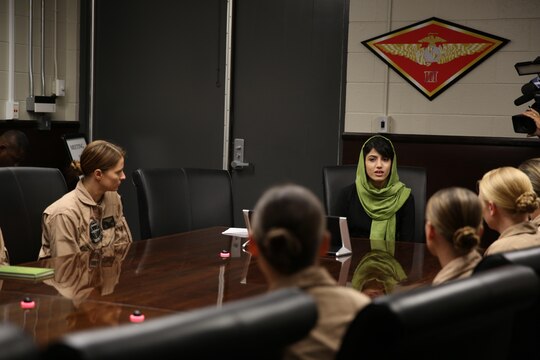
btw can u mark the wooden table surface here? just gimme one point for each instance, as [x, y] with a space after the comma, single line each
[164, 275]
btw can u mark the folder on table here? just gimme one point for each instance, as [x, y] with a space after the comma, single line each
[25, 272]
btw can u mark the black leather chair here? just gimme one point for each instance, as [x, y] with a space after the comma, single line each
[258, 327]
[16, 345]
[465, 319]
[210, 197]
[337, 178]
[25, 192]
[527, 257]
[163, 201]
[182, 199]
[526, 330]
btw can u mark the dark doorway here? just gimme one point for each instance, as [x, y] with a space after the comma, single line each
[287, 96]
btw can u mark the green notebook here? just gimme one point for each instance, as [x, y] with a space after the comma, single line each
[25, 272]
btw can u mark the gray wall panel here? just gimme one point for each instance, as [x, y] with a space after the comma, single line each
[158, 90]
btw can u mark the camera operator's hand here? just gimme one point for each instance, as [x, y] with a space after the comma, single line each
[533, 114]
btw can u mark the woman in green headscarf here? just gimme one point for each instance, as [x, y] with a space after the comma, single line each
[380, 207]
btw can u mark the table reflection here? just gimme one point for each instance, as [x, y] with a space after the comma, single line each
[77, 276]
[182, 272]
[378, 273]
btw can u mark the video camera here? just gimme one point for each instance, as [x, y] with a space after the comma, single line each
[531, 90]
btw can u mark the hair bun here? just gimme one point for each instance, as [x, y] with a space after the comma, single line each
[283, 248]
[282, 241]
[527, 202]
[465, 239]
[76, 165]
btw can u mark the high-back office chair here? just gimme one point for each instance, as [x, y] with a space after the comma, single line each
[526, 330]
[16, 345]
[211, 200]
[182, 199]
[527, 257]
[464, 319]
[337, 178]
[25, 192]
[163, 201]
[258, 327]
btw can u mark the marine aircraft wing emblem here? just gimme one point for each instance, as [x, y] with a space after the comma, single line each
[434, 54]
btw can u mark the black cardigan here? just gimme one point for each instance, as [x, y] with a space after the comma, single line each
[360, 223]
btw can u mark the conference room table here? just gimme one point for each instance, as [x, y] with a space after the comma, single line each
[171, 274]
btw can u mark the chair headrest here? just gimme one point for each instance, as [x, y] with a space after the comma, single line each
[273, 320]
[527, 257]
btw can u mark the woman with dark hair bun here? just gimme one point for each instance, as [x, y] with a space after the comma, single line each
[288, 234]
[453, 231]
[378, 206]
[91, 216]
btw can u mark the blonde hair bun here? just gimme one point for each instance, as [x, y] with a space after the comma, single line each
[527, 202]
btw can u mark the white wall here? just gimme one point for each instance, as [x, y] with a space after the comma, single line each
[479, 104]
[67, 55]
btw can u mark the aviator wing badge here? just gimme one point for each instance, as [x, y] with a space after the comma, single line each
[433, 54]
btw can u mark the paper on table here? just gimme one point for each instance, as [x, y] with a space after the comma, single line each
[240, 232]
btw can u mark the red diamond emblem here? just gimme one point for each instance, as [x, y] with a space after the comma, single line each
[433, 54]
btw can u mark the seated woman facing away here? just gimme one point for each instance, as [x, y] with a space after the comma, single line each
[531, 168]
[288, 234]
[91, 216]
[508, 199]
[453, 231]
[379, 206]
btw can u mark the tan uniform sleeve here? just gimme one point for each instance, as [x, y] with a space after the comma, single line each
[127, 231]
[60, 236]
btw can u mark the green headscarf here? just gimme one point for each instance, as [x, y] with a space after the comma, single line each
[381, 204]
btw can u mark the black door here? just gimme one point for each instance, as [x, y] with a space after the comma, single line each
[287, 92]
[158, 85]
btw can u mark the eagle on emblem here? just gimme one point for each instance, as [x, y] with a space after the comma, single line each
[432, 53]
